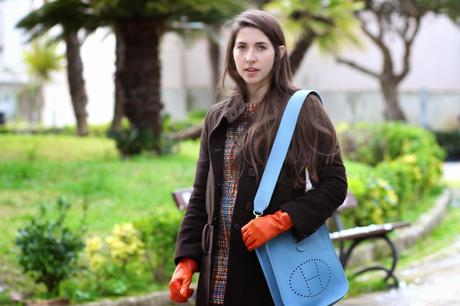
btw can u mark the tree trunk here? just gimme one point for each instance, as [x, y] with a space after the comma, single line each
[393, 111]
[35, 103]
[140, 76]
[193, 132]
[214, 56]
[301, 47]
[118, 112]
[76, 81]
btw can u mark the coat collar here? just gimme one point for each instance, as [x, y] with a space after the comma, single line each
[234, 107]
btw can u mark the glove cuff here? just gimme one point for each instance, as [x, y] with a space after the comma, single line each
[283, 220]
[189, 263]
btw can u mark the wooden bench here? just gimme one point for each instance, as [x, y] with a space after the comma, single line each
[347, 239]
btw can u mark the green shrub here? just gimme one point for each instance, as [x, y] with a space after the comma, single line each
[361, 142]
[450, 142]
[411, 175]
[159, 233]
[49, 249]
[115, 261]
[374, 143]
[401, 175]
[391, 166]
[377, 200]
[131, 141]
[401, 139]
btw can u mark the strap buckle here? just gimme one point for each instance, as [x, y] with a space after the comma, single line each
[257, 214]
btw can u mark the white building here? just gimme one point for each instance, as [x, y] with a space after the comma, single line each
[12, 75]
[186, 77]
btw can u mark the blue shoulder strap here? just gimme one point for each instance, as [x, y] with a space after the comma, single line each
[279, 150]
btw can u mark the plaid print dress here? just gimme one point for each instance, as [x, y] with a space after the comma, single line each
[234, 135]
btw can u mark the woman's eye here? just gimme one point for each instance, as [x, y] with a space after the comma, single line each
[262, 47]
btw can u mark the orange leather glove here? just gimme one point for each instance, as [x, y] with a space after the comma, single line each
[179, 286]
[260, 230]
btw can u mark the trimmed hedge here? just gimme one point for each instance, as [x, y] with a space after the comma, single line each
[450, 142]
[389, 167]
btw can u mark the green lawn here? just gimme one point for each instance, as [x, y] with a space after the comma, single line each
[36, 169]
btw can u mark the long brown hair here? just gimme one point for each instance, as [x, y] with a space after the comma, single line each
[313, 120]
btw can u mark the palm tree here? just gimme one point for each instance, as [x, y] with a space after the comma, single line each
[330, 24]
[71, 15]
[140, 25]
[41, 60]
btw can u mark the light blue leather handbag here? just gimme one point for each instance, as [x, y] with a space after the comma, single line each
[305, 273]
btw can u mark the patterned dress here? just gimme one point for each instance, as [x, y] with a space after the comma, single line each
[235, 133]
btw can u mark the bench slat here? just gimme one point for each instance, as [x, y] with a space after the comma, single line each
[368, 231]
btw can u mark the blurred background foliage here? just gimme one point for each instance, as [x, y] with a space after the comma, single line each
[125, 181]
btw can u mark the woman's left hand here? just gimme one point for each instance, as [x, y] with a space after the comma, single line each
[260, 230]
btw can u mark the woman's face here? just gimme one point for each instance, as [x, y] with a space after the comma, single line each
[254, 56]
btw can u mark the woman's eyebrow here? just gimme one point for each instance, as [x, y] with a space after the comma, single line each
[257, 43]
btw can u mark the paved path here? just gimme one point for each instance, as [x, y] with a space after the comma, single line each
[452, 171]
[435, 281]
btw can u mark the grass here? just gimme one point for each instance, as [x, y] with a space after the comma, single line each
[55, 148]
[39, 169]
[419, 206]
[116, 190]
[443, 235]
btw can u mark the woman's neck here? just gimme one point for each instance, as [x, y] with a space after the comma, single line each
[256, 94]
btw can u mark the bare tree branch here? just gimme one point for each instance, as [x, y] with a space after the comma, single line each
[378, 40]
[408, 41]
[358, 67]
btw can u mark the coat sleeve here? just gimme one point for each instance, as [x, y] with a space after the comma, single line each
[309, 211]
[189, 237]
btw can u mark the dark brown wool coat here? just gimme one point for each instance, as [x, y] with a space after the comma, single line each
[246, 285]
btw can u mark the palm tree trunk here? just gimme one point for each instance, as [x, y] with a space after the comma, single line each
[76, 81]
[36, 103]
[301, 47]
[140, 75]
[118, 112]
[214, 56]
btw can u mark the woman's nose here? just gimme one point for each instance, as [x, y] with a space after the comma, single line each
[250, 56]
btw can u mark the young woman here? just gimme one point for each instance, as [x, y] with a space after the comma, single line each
[219, 232]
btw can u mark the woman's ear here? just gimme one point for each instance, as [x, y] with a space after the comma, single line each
[282, 50]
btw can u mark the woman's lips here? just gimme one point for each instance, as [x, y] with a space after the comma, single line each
[251, 71]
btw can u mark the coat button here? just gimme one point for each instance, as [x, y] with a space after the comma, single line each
[236, 227]
[249, 207]
[251, 172]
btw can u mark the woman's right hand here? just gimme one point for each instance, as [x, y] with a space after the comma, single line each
[179, 286]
